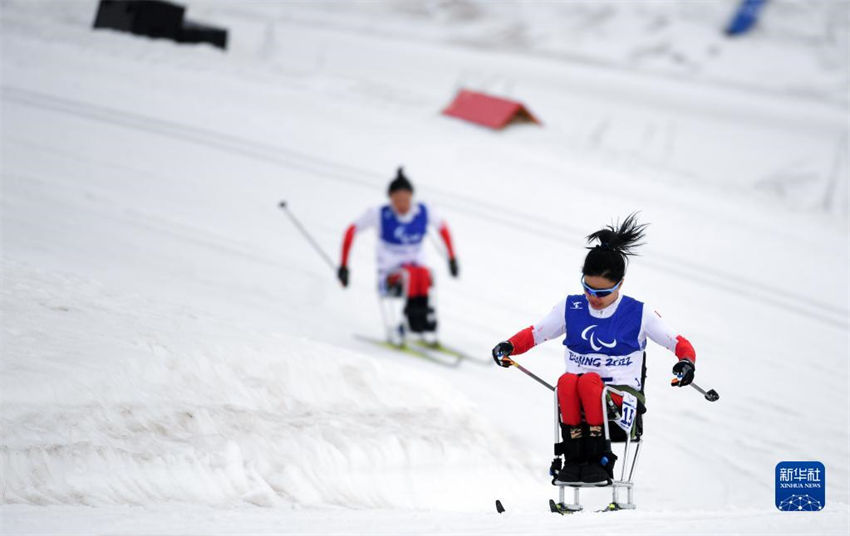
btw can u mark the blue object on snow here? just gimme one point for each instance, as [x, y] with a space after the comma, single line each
[746, 17]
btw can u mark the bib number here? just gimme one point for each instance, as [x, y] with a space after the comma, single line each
[627, 412]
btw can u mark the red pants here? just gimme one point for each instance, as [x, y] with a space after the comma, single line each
[577, 392]
[418, 279]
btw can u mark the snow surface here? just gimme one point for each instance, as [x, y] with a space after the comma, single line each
[176, 360]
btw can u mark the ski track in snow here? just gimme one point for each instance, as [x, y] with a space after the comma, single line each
[326, 169]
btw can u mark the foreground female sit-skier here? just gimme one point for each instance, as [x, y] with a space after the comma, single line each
[605, 337]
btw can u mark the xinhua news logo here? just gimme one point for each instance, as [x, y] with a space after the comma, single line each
[800, 486]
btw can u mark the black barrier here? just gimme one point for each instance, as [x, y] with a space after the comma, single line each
[192, 32]
[156, 18]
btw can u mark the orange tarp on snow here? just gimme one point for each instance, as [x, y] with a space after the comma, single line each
[483, 109]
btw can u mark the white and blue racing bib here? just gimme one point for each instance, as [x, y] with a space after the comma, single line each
[394, 232]
[610, 347]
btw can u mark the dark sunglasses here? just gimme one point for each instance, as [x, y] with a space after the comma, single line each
[599, 292]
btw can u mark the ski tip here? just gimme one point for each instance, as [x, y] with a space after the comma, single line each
[499, 507]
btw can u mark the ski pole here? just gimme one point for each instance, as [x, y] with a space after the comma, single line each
[710, 395]
[309, 238]
[528, 372]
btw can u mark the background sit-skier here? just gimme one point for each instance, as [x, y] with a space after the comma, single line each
[402, 225]
[605, 337]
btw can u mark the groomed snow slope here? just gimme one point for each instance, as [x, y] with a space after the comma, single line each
[180, 416]
[171, 343]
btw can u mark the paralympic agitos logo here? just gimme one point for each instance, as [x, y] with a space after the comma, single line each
[593, 340]
[401, 235]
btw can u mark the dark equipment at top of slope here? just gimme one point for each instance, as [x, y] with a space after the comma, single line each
[156, 18]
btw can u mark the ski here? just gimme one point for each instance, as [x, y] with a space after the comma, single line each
[449, 350]
[418, 351]
[612, 507]
[559, 508]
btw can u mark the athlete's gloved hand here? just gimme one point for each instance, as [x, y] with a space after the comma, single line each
[453, 269]
[503, 349]
[342, 275]
[684, 371]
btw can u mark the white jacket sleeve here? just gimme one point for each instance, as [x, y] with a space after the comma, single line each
[657, 330]
[368, 219]
[552, 325]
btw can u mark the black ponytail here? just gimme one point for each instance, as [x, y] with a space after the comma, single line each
[400, 182]
[608, 258]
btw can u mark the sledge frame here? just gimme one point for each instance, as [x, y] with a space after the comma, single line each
[616, 485]
[395, 325]
[391, 306]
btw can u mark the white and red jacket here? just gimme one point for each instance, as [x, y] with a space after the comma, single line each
[400, 237]
[607, 341]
